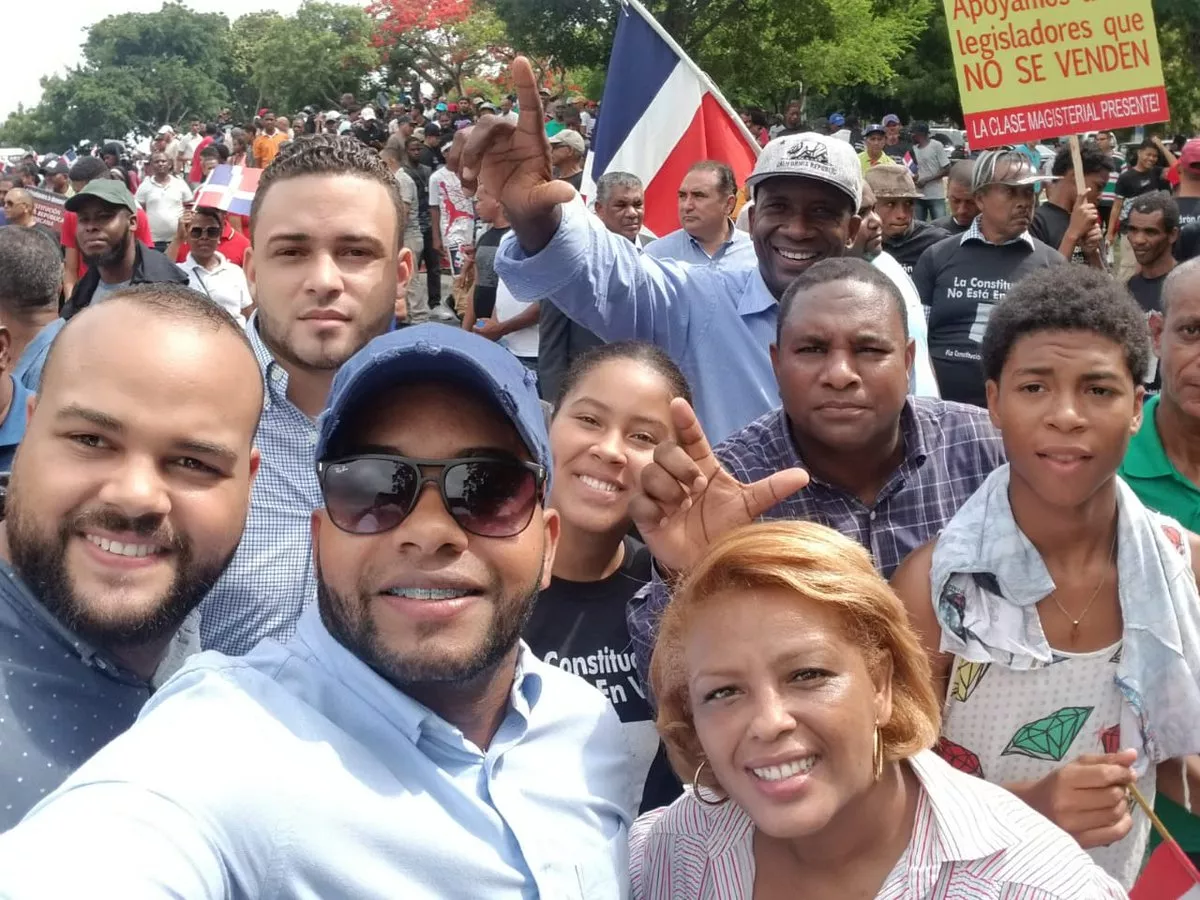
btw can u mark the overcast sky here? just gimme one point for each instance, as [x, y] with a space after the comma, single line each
[43, 40]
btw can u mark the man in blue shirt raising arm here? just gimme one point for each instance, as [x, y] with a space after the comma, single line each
[406, 742]
[716, 323]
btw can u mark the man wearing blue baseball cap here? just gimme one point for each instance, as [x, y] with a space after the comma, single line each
[406, 742]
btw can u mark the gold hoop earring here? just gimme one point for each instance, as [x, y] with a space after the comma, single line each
[696, 787]
[877, 754]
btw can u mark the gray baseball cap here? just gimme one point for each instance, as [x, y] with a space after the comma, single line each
[811, 155]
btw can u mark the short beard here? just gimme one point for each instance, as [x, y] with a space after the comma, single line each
[350, 623]
[276, 342]
[42, 565]
[112, 256]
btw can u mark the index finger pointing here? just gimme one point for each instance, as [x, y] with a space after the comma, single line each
[531, 116]
[687, 426]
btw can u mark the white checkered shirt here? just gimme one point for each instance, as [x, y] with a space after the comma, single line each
[271, 577]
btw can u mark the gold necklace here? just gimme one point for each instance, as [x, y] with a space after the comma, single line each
[1096, 593]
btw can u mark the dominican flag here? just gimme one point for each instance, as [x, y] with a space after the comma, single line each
[659, 115]
[1169, 875]
[229, 188]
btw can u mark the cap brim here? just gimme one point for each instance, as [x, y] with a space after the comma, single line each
[412, 365]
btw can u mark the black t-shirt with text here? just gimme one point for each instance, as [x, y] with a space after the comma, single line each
[959, 285]
[580, 627]
[1188, 245]
[908, 249]
[1189, 210]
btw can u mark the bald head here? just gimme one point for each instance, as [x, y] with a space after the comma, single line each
[1182, 283]
[172, 308]
[19, 206]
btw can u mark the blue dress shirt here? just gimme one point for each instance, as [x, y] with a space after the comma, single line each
[12, 429]
[270, 579]
[736, 252]
[298, 772]
[28, 370]
[716, 323]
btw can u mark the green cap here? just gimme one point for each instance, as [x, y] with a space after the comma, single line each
[111, 192]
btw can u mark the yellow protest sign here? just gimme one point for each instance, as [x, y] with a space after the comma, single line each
[1033, 68]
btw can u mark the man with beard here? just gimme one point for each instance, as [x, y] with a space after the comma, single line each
[405, 742]
[127, 499]
[106, 218]
[324, 267]
[717, 324]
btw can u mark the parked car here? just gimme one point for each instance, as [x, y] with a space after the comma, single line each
[953, 139]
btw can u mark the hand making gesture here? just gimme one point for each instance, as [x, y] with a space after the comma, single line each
[514, 162]
[688, 499]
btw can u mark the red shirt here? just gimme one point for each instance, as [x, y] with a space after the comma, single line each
[233, 246]
[71, 225]
[196, 175]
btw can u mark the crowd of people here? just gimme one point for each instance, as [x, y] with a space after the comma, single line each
[839, 544]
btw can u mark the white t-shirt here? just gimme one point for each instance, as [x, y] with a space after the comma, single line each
[408, 193]
[931, 159]
[164, 205]
[225, 285]
[187, 146]
[456, 211]
[523, 343]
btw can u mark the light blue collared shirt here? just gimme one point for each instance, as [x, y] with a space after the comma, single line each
[298, 772]
[28, 370]
[270, 579]
[12, 429]
[737, 251]
[716, 323]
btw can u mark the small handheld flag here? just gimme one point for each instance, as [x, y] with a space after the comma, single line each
[1169, 875]
[230, 189]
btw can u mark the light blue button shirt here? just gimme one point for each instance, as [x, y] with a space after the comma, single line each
[270, 579]
[298, 772]
[736, 252]
[716, 323]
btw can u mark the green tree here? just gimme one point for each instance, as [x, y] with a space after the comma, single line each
[243, 53]
[758, 51]
[168, 61]
[324, 51]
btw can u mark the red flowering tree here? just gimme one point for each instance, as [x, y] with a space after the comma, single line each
[444, 42]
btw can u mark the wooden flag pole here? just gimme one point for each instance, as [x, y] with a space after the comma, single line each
[1149, 811]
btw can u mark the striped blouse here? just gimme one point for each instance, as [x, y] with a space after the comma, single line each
[970, 839]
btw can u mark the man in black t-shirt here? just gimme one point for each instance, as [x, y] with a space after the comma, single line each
[1188, 199]
[959, 199]
[431, 154]
[1152, 229]
[961, 278]
[1144, 176]
[1066, 221]
[895, 197]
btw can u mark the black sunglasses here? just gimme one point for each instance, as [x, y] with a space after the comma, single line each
[486, 496]
[213, 231]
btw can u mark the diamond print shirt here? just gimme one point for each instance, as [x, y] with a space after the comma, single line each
[1006, 725]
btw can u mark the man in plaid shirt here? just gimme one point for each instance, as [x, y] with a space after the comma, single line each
[848, 449]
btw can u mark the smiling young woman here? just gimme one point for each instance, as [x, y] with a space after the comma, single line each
[614, 409]
[796, 699]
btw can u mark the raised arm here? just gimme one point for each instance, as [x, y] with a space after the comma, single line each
[558, 250]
